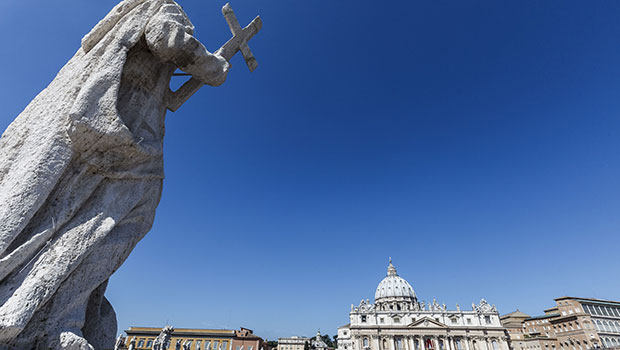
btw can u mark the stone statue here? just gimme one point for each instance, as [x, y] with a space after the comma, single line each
[132, 343]
[187, 345]
[162, 342]
[81, 170]
[119, 343]
[178, 345]
[198, 343]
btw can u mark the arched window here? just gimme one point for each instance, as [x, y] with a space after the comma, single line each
[495, 347]
[365, 342]
[385, 344]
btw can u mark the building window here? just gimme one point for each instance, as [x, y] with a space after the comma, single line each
[216, 345]
[598, 310]
[207, 344]
[381, 320]
[487, 319]
[149, 344]
[495, 347]
[363, 318]
[399, 343]
[469, 321]
[396, 320]
[365, 342]
[225, 345]
[141, 343]
[458, 344]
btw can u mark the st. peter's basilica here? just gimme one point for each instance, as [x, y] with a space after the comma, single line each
[397, 321]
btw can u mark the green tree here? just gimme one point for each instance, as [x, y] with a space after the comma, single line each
[327, 340]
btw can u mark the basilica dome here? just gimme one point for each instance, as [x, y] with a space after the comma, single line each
[394, 286]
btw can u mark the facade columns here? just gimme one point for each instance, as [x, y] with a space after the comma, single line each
[374, 341]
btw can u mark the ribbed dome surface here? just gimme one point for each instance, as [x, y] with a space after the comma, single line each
[393, 286]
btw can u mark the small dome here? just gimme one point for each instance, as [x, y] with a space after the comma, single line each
[393, 286]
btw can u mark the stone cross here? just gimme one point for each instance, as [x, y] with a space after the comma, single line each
[235, 28]
[239, 42]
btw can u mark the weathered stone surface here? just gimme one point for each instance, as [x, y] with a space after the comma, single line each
[81, 171]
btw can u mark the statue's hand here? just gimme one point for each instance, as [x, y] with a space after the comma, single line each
[213, 71]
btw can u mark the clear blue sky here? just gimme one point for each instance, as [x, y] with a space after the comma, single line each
[475, 142]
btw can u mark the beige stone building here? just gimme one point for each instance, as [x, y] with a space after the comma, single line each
[572, 324]
[293, 343]
[197, 339]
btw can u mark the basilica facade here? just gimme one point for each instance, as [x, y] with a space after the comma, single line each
[398, 321]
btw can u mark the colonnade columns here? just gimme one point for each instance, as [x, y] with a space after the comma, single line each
[466, 340]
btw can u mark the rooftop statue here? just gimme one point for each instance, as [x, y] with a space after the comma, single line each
[81, 170]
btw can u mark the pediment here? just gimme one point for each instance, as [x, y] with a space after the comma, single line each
[426, 322]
